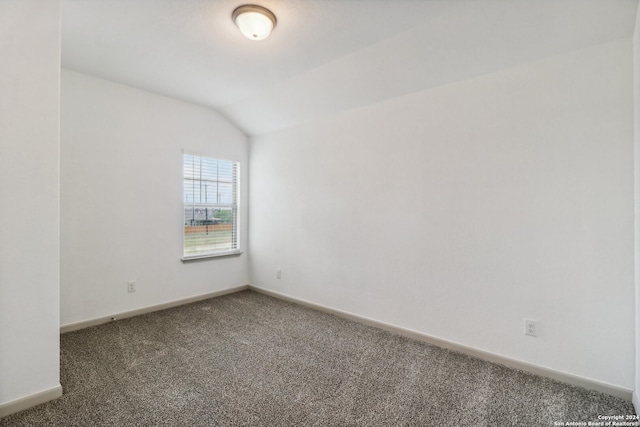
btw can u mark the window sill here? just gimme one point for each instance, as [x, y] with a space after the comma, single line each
[207, 256]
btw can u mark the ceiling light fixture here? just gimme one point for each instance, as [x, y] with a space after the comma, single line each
[255, 22]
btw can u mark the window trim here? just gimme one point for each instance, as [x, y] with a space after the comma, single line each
[234, 252]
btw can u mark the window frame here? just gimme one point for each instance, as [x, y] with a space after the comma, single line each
[234, 206]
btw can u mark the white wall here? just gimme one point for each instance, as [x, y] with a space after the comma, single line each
[29, 208]
[636, 119]
[121, 198]
[461, 210]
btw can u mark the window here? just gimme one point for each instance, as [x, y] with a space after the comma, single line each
[210, 207]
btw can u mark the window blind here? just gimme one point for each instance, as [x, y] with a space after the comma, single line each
[210, 206]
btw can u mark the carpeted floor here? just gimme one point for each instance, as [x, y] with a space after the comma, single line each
[249, 359]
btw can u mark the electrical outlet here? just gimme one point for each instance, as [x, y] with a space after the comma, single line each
[131, 286]
[278, 273]
[530, 328]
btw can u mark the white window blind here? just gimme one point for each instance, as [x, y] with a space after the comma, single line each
[210, 206]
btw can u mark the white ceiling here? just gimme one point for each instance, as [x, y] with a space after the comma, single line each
[325, 56]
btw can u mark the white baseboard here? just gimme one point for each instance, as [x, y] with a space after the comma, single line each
[564, 377]
[27, 402]
[636, 402]
[123, 315]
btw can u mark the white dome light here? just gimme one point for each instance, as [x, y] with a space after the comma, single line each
[255, 22]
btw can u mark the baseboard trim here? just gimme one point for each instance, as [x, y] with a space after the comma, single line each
[564, 377]
[69, 327]
[27, 402]
[636, 402]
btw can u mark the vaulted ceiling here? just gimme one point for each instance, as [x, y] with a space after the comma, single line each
[325, 56]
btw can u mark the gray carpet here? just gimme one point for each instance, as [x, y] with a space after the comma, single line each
[252, 360]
